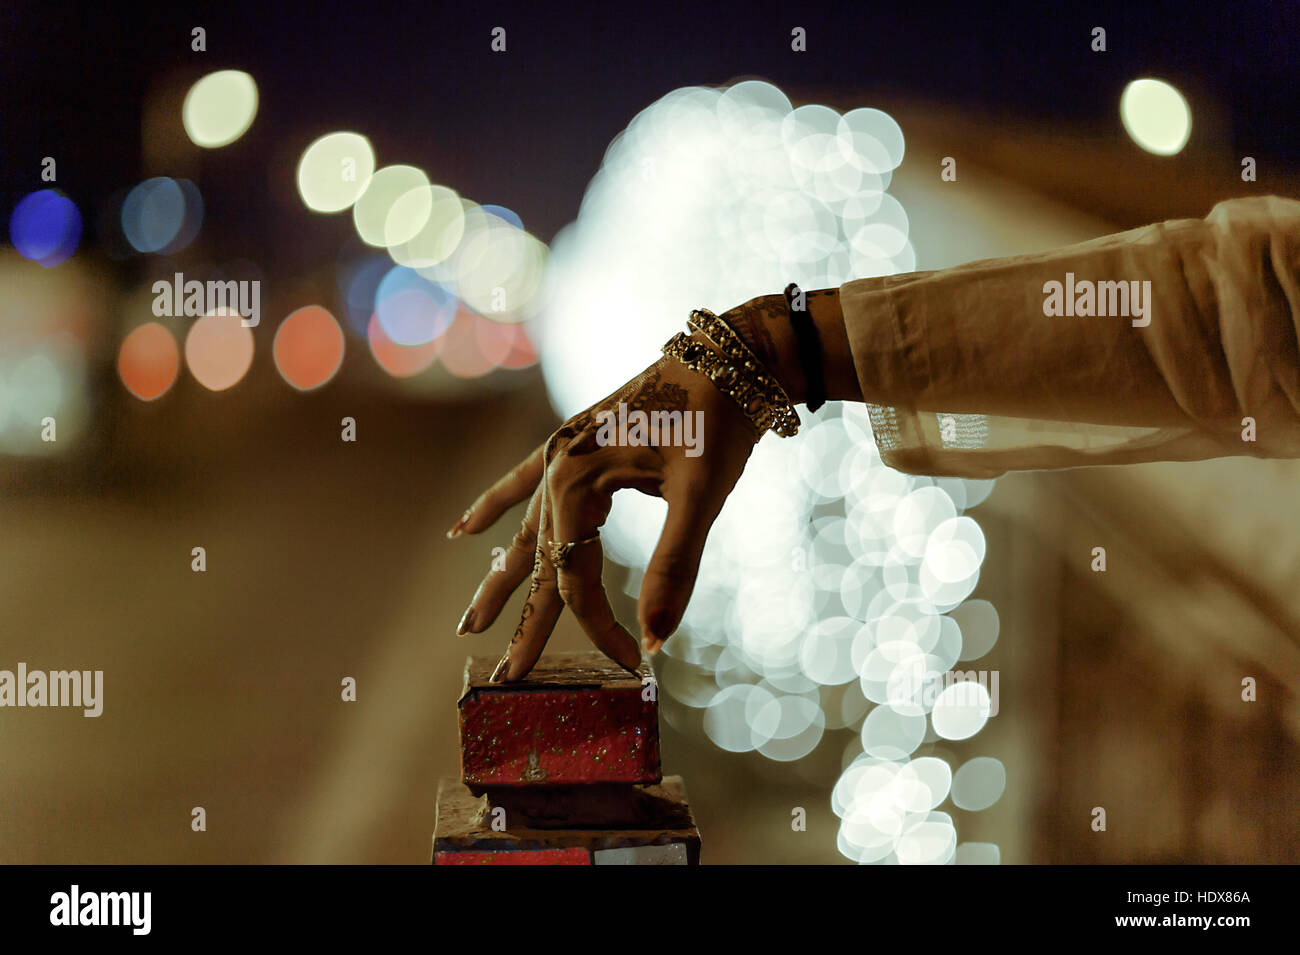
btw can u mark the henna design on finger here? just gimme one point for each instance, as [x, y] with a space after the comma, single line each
[535, 586]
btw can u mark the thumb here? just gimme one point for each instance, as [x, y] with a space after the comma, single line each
[670, 578]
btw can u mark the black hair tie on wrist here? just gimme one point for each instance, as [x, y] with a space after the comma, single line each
[809, 343]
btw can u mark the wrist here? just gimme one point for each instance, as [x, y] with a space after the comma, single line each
[764, 325]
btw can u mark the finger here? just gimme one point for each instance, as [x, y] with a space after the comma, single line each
[581, 588]
[582, 490]
[541, 609]
[670, 577]
[515, 485]
[506, 574]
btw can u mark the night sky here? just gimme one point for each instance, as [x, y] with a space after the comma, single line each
[527, 129]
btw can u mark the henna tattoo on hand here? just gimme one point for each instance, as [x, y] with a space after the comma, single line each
[646, 393]
[654, 396]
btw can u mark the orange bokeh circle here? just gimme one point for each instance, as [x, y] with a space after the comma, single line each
[308, 348]
[149, 361]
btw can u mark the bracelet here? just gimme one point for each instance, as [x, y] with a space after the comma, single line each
[736, 373]
[749, 388]
[783, 419]
[809, 343]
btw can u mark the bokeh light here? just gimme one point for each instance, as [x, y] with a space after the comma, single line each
[474, 346]
[979, 624]
[36, 388]
[494, 341]
[979, 783]
[384, 194]
[961, 710]
[334, 171]
[497, 267]
[978, 853]
[219, 350]
[308, 348]
[412, 310]
[219, 108]
[1156, 116]
[45, 227]
[148, 361]
[522, 353]
[443, 213]
[162, 215]
[358, 282]
[50, 320]
[400, 361]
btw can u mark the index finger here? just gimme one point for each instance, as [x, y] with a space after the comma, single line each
[542, 606]
[514, 486]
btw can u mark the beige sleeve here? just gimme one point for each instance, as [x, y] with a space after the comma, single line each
[965, 375]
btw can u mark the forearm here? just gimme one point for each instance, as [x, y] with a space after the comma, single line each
[1205, 335]
[1214, 340]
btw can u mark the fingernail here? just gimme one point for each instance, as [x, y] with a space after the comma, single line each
[466, 622]
[499, 674]
[652, 644]
[458, 527]
[660, 622]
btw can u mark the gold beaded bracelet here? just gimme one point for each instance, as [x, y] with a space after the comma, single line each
[736, 372]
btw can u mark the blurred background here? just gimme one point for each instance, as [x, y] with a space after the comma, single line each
[464, 225]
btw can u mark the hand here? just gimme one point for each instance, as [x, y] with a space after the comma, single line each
[570, 481]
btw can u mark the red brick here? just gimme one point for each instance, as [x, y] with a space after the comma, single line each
[464, 834]
[578, 718]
